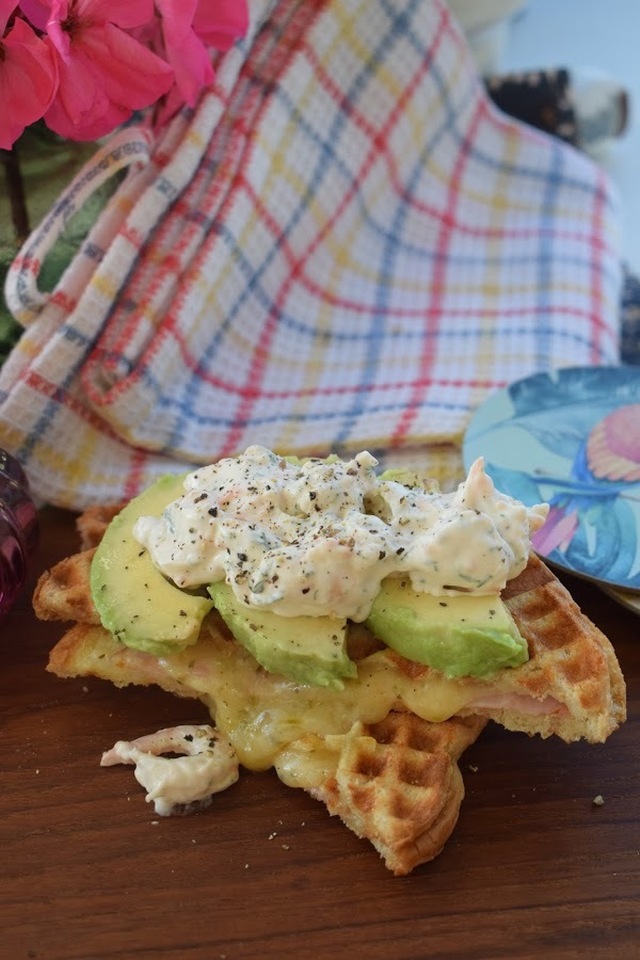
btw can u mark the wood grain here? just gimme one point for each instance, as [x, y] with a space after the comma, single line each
[533, 869]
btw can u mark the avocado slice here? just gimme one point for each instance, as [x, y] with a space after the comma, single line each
[409, 478]
[306, 649]
[135, 602]
[461, 636]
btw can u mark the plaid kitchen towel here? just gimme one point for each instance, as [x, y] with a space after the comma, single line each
[345, 246]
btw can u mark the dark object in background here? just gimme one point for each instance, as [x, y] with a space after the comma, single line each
[539, 98]
[584, 110]
[630, 320]
[18, 529]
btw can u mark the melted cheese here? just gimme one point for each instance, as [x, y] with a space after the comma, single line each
[311, 762]
[262, 713]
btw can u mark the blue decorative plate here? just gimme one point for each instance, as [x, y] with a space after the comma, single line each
[571, 438]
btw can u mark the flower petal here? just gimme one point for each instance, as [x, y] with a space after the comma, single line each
[177, 18]
[133, 76]
[28, 81]
[6, 9]
[58, 36]
[123, 13]
[80, 98]
[108, 76]
[192, 67]
[220, 22]
[90, 128]
[37, 12]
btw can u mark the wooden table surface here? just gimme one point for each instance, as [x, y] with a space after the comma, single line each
[533, 869]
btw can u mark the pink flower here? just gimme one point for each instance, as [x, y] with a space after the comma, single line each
[104, 73]
[86, 65]
[185, 25]
[28, 76]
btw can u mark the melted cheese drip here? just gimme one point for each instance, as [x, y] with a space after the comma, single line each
[262, 713]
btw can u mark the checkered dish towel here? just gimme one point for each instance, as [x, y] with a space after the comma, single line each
[344, 247]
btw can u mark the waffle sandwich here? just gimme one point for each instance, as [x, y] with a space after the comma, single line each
[383, 755]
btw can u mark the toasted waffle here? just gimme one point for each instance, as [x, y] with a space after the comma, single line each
[396, 783]
[570, 659]
[92, 524]
[64, 592]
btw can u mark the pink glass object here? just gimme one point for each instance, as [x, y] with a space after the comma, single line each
[18, 529]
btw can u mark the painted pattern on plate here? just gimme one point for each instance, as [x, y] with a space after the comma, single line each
[572, 439]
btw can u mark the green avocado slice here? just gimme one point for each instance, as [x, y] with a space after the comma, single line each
[135, 602]
[462, 636]
[305, 649]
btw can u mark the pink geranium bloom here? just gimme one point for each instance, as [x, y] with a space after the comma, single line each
[28, 76]
[187, 25]
[104, 73]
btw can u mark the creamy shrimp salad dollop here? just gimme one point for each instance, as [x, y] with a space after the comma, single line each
[207, 764]
[317, 537]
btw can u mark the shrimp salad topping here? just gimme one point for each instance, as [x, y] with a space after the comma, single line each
[206, 764]
[317, 537]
